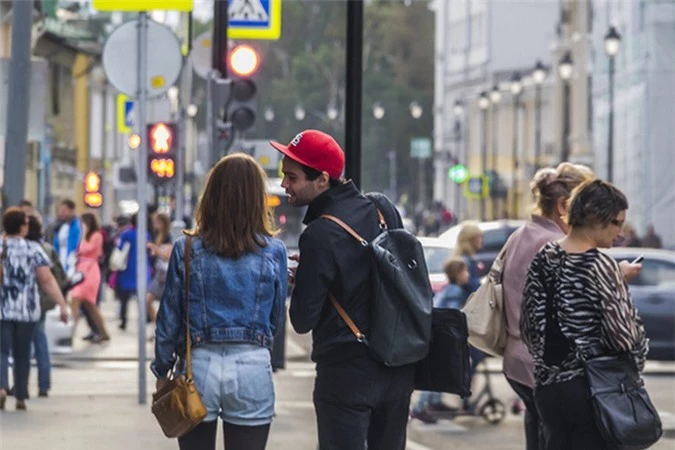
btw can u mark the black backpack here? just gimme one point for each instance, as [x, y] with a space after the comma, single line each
[400, 327]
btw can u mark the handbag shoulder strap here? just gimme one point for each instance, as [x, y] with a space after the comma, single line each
[188, 341]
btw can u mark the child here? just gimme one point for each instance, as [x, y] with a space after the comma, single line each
[452, 296]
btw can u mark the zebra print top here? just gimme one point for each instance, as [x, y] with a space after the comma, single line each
[592, 306]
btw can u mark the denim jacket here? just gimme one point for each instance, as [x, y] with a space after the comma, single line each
[231, 300]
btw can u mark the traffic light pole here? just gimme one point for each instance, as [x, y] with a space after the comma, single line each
[354, 90]
[216, 77]
[142, 195]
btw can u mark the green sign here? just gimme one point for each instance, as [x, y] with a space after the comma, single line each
[420, 148]
[458, 173]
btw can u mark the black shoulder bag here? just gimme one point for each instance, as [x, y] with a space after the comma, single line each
[623, 411]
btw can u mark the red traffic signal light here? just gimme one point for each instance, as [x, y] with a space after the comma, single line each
[160, 137]
[92, 190]
[244, 61]
[161, 151]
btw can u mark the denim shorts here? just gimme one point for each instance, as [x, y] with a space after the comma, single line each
[235, 382]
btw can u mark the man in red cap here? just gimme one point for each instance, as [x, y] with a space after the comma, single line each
[356, 398]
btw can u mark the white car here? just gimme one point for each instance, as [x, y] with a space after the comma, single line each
[59, 334]
[436, 253]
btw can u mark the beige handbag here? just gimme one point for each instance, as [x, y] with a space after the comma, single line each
[177, 405]
[485, 316]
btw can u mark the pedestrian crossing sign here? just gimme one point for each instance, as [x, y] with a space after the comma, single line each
[254, 19]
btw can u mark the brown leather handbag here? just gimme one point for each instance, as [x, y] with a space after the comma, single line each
[177, 405]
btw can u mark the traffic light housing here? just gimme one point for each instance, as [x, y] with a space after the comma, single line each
[243, 63]
[162, 148]
[93, 196]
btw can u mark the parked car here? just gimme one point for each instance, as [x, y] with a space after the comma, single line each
[436, 252]
[653, 293]
[495, 234]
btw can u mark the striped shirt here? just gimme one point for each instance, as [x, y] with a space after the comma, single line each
[20, 298]
[592, 306]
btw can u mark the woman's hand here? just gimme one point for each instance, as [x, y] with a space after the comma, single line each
[63, 313]
[154, 248]
[629, 270]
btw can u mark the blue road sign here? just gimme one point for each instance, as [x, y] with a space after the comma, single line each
[129, 113]
[254, 19]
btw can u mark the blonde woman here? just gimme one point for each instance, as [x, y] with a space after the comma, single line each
[469, 242]
[160, 249]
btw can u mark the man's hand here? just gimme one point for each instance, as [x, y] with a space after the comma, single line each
[291, 270]
[630, 271]
[160, 383]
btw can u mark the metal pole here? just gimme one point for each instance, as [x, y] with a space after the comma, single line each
[565, 153]
[105, 207]
[142, 222]
[458, 140]
[495, 145]
[483, 162]
[17, 102]
[219, 49]
[354, 90]
[392, 174]
[514, 196]
[422, 193]
[537, 129]
[610, 137]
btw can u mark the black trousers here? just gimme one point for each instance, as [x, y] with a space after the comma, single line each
[534, 430]
[237, 437]
[567, 415]
[359, 400]
[15, 339]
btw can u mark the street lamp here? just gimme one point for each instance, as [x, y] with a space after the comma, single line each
[415, 110]
[483, 104]
[495, 98]
[332, 112]
[516, 90]
[269, 114]
[538, 75]
[458, 112]
[192, 110]
[612, 43]
[378, 111]
[565, 68]
[299, 112]
[172, 95]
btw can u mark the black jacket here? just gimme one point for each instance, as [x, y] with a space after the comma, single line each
[332, 260]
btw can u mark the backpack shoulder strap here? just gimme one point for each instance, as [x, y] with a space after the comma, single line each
[347, 228]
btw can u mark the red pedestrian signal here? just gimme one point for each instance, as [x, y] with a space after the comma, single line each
[161, 151]
[93, 197]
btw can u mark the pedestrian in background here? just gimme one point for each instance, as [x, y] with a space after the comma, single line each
[651, 239]
[126, 280]
[452, 296]
[24, 265]
[85, 294]
[237, 302]
[356, 398]
[40, 343]
[160, 251]
[551, 189]
[584, 291]
[469, 242]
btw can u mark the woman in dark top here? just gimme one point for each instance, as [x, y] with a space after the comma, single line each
[591, 307]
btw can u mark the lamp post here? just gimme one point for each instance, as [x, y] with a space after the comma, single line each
[516, 90]
[483, 104]
[416, 112]
[565, 68]
[458, 112]
[299, 112]
[378, 114]
[538, 75]
[269, 114]
[612, 43]
[495, 98]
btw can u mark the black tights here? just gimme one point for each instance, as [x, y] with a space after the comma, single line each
[237, 437]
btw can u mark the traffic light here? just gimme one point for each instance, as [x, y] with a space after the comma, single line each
[243, 63]
[162, 145]
[93, 197]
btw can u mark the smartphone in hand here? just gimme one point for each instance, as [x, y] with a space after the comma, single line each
[638, 260]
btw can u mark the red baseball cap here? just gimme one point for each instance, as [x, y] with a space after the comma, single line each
[315, 149]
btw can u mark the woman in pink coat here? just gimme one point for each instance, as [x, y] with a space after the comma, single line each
[85, 293]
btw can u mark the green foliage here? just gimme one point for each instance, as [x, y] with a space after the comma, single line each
[307, 67]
